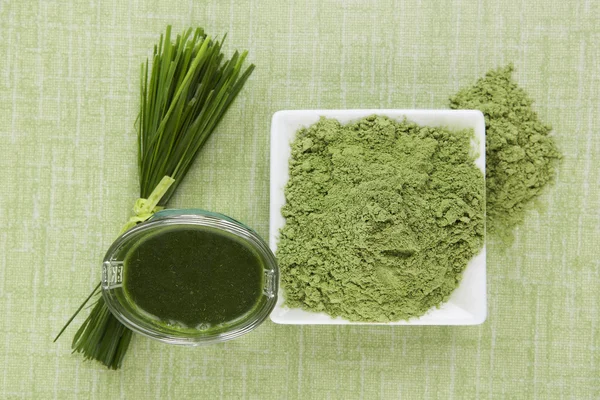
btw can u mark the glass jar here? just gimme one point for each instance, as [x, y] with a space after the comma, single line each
[133, 317]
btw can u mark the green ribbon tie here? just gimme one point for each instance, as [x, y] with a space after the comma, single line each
[145, 208]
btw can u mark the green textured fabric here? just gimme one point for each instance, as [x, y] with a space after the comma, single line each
[69, 75]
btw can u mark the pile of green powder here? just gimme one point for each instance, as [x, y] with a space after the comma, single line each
[521, 157]
[382, 217]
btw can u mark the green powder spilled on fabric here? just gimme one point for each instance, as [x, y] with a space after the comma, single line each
[382, 217]
[521, 157]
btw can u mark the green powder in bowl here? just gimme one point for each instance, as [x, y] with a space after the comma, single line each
[382, 218]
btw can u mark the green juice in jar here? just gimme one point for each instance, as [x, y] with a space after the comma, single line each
[193, 278]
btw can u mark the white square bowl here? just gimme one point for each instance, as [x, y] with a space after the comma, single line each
[468, 303]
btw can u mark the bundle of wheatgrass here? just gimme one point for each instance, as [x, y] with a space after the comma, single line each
[184, 94]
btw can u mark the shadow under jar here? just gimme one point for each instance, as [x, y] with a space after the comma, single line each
[190, 277]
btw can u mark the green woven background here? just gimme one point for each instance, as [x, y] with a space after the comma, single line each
[69, 74]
